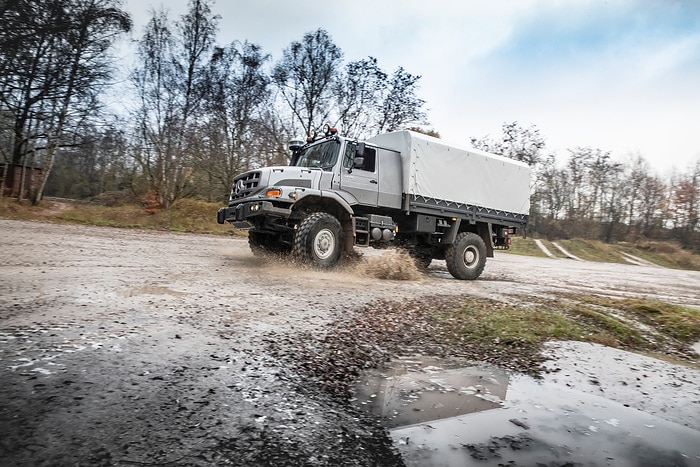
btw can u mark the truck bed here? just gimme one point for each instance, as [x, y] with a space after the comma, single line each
[442, 175]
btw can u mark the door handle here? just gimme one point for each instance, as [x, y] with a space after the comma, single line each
[373, 181]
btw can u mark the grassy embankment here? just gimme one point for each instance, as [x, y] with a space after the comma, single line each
[665, 254]
[184, 216]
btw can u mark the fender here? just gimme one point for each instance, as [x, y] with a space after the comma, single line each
[330, 195]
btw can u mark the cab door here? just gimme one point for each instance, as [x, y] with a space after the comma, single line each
[359, 175]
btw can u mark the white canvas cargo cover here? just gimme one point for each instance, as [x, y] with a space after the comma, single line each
[435, 169]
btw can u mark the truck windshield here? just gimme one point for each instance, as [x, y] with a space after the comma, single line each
[323, 155]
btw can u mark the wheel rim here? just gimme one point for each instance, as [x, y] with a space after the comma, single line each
[324, 244]
[470, 257]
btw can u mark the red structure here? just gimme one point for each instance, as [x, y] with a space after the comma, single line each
[12, 180]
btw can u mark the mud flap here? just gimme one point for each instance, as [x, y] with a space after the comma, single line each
[483, 229]
[451, 233]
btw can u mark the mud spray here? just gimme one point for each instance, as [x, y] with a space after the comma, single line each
[393, 264]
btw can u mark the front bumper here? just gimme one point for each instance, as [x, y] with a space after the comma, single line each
[242, 215]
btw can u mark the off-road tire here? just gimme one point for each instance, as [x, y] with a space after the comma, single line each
[466, 257]
[319, 240]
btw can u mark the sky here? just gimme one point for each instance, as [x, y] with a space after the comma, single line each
[619, 75]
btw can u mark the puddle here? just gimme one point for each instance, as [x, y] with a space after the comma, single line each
[439, 414]
[420, 390]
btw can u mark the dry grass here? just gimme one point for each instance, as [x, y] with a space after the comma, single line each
[525, 246]
[184, 215]
[592, 250]
[668, 254]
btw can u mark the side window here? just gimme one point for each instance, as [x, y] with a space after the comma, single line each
[370, 157]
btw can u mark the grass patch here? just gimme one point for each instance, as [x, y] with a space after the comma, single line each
[185, 215]
[506, 334]
[606, 328]
[680, 322]
[525, 247]
[12, 209]
[487, 323]
[667, 254]
[188, 215]
[592, 250]
[675, 321]
[556, 252]
[511, 335]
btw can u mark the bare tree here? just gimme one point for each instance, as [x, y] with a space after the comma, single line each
[612, 206]
[519, 143]
[552, 188]
[232, 128]
[527, 145]
[399, 106]
[654, 205]
[599, 171]
[98, 164]
[685, 206]
[357, 93]
[170, 94]
[54, 64]
[360, 97]
[304, 77]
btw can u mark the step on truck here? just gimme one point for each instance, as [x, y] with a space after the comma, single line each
[402, 188]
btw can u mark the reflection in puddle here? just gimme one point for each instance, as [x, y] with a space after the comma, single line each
[442, 415]
[415, 391]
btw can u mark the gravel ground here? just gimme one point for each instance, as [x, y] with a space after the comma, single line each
[121, 347]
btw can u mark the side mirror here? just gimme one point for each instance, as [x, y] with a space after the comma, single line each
[358, 162]
[295, 144]
[360, 150]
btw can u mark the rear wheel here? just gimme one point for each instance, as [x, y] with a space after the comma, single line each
[319, 239]
[466, 257]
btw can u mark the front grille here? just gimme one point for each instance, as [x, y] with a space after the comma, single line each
[245, 184]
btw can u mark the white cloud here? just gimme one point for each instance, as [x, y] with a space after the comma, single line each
[620, 76]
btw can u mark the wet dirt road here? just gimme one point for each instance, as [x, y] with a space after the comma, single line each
[121, 347]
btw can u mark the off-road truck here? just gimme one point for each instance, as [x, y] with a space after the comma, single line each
[403, 188]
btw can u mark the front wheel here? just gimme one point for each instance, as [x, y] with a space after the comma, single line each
[319, 240]
[466, 257]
